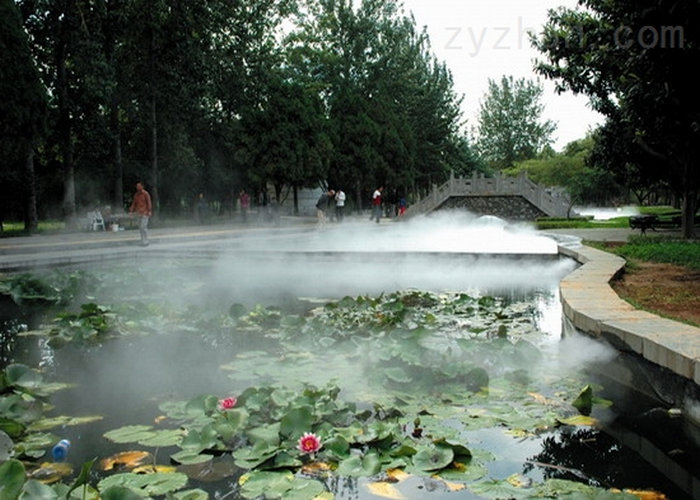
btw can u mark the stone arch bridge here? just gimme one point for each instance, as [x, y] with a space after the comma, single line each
[512, 198]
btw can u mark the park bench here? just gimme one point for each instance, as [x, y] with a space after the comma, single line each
[654, 222]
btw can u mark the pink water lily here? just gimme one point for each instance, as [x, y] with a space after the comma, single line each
[227, 403]
[309, 443]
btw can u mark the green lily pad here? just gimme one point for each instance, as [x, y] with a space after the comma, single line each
[62, 421]
[433, 458]
[12, 477]
[130, 434]
[359, 466]
[159, 483]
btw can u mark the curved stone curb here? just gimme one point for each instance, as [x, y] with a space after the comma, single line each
[594, 308]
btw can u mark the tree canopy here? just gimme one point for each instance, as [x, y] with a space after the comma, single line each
[511, 128]
[216, 96]
[631, 58]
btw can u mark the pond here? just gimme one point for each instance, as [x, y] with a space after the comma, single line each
[436, 373]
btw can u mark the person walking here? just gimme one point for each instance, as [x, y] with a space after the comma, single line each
[142, 207]
[339, 205]
[244, 200]
[377, 204]
[322, 206]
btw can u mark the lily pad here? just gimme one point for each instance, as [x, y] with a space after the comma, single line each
[150, 484]
[433, 458]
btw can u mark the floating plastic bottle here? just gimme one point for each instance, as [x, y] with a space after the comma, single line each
[60, 451]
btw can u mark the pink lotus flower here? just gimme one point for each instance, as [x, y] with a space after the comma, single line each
[309, 443]
[227, 403]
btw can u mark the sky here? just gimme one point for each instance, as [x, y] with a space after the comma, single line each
[487, 39]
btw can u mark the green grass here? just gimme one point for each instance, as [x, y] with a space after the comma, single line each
[662, 249]
[581, 223]
[14, 228]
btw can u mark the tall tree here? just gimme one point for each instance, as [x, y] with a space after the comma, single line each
[511, 127]
[22, 112]
[631, 59]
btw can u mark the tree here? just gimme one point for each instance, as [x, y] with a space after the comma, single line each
[572, 169]
[22, 114]
[631, 59]
[510, 125]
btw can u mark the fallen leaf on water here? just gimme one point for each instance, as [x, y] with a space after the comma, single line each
[316, 468]
[384, 489]
[128, 459]
[397, 474]
[51, 472]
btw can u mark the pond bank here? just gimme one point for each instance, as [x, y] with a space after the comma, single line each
[592, 307]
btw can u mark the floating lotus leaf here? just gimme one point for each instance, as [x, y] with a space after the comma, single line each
[195, 494]
[152, 469]
[497, 489]
[22, 376]
[148, 484]
[253, 456]
[563, 488]
[162, 438]
[584, 401]
[130, 434]
[62, 421]
[188, 457]
[12, 477]
[270, 484]
[36, 490]
[338, 446]
[211, 471]
[234, 421]
[433, 458]
[297, 421]
[579, 420]
[11, 427]
[359, 466]
[269, 434]
[6, 446]
[128, 459]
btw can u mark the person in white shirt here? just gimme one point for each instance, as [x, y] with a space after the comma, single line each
[339, 204]
[377, 204]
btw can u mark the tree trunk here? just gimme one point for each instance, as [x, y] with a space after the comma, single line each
[65, 130]
[118, 172]
[31, 220]
[154, 154]
[688, 208]
[688, 203]
[153, 145]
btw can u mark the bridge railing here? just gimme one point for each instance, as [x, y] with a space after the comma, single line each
[550, 203]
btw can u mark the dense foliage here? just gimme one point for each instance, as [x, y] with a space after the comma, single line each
[511, 127]
[631, 58]
[213, 97]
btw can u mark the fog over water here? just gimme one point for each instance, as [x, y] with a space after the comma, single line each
[126, 379]
[357, 258]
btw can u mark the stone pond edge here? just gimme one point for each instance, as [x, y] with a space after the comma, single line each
[593, 308]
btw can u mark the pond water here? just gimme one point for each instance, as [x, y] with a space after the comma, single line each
[408, 331]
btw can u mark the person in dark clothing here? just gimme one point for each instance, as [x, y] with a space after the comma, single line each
[322, 206]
